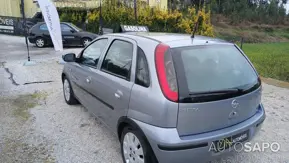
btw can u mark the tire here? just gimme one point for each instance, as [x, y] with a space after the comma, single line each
[85, 41]
[68, 93]
[133, 153]
[40, 42]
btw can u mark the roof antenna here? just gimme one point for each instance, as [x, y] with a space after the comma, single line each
[196, 27]
[199, 18]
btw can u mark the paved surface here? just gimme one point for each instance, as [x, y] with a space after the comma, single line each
[37, 126]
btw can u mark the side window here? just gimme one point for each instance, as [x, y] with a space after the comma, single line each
[118, 59]
[43, 27]
[142, 71]
[65, 27]
[90, 56]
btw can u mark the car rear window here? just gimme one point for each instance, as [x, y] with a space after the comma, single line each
[214, 67]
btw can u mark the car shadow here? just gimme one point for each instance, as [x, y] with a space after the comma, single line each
[49, 47]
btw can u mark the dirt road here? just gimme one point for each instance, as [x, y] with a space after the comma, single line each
[37, 126]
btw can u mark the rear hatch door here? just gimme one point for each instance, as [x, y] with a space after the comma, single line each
[218, 87]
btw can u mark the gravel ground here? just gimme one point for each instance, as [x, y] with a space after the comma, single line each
[37, 126]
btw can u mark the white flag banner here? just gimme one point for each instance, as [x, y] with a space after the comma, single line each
[52, 21]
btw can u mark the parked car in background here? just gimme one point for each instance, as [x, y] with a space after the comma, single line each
[168, 97]
[71, 35]
[30, 22]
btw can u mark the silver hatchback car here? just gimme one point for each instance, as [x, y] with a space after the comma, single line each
[169, 98]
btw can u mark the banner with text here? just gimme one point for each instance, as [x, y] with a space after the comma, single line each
[7, 25]
[51, 18]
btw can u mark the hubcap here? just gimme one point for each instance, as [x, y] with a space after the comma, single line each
[66, 90]
[132, 149]
[86, 42]
[40, 42]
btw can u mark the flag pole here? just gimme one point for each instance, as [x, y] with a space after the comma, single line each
[25, 31]
[135, 10]
[100, 19]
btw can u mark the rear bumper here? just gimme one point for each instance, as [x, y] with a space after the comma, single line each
[170, 148]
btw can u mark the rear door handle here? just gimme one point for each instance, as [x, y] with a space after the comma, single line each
[118, 94]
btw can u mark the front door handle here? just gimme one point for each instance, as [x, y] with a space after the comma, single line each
[88, 79]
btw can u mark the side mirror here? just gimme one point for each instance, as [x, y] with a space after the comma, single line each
[72, 31]
[70, 57]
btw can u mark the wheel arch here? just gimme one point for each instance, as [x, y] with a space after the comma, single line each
[39, 36]
[84, 37]
[125, 121]
[62, 76]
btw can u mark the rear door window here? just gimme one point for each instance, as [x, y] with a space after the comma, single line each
[214, 67]
[118, 59]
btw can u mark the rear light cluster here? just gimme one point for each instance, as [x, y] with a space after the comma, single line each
[260, 80]
[166, 72]
[30, 32]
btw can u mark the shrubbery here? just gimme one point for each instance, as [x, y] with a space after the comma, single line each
[157, 20]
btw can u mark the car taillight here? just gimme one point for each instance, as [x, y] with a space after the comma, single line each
[30, 32]
[259, 79]
[166, 72]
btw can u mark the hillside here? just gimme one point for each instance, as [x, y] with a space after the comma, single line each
[251, 32]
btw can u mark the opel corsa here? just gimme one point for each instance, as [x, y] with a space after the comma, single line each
[170, 98]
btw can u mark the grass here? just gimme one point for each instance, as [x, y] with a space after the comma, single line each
[14, 150]
[267, 46]
[270, 59]
[23, 103]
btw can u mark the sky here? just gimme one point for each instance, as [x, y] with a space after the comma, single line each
[287, 7]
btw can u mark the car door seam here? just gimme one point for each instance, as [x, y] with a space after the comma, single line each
[128, 106]
[99, 99]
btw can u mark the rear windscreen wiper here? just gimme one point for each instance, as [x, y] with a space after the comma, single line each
[217, 92]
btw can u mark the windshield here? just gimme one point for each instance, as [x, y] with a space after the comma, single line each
[214, 68]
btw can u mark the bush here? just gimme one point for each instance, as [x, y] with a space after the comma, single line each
[156, 19]
[74, 15]
[269, 29]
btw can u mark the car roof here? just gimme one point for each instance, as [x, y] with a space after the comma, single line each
[60, 22]
[172, 38]
[38, 24]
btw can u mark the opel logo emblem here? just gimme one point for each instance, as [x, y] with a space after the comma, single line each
[235, 104]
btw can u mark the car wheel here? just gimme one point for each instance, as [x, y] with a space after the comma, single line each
[85, 41]
[68, 93]
[40, 42]
[135, 148]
